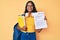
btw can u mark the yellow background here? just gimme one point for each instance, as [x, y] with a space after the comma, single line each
[10, 9]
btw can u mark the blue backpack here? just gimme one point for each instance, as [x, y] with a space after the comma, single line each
[16, 33]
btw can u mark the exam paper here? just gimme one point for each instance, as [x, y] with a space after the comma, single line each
[39, 20]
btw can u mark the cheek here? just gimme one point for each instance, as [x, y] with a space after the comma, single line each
[32, 8]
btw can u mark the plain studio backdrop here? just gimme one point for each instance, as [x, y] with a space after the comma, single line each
[10, 9]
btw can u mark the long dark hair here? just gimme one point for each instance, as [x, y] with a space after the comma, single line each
[34, 8]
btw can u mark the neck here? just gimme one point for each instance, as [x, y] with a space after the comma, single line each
[29, 13]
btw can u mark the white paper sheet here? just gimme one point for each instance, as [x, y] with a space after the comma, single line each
[39, 20]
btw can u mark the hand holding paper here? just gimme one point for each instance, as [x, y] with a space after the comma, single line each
[39, 20]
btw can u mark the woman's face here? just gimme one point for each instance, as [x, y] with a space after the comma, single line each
[29, 7]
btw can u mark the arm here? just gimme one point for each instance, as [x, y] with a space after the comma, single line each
[24, 28]
[38, 30]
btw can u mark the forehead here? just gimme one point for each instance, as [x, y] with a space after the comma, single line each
[30, 3]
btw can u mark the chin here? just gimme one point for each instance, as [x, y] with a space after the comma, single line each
[29, 11]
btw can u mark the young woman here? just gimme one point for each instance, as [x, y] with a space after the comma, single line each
[28, 31]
